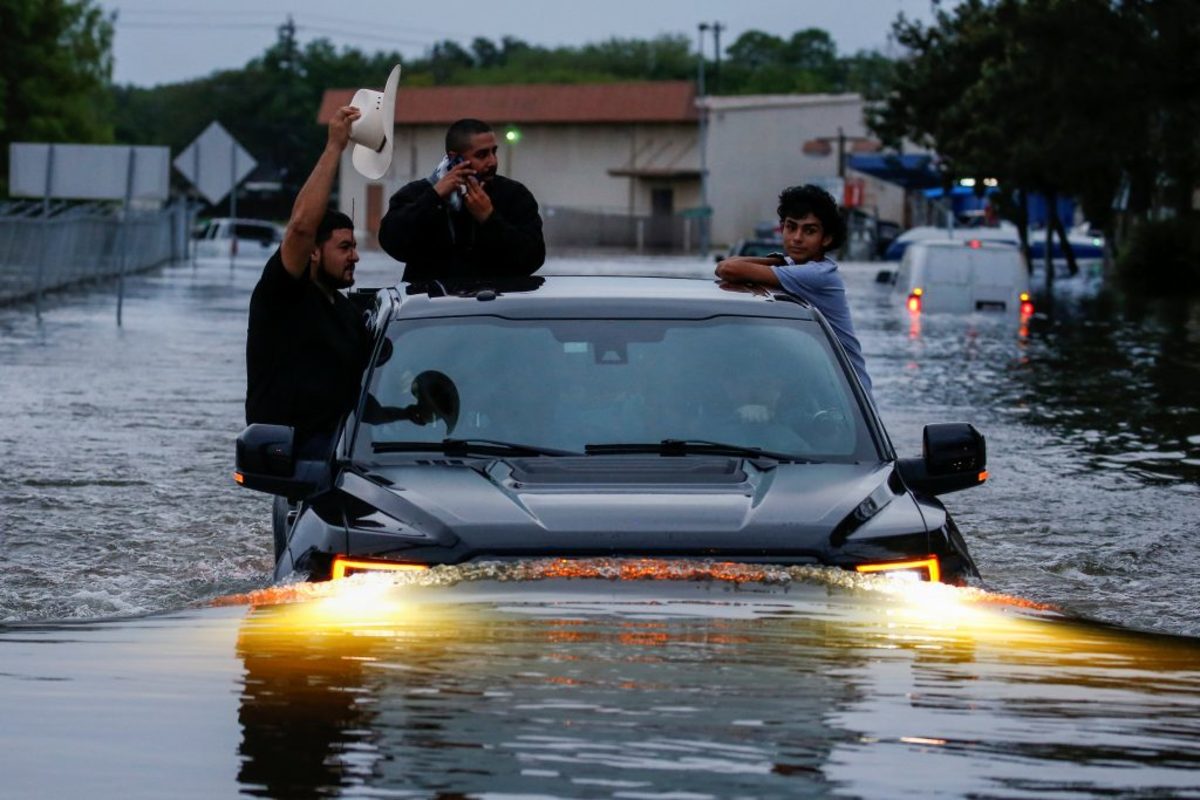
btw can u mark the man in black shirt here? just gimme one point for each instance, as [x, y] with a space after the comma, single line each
[307, 345]
[464, 221]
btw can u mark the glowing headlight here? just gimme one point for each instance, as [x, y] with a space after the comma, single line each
[344, 567]
[918, 569]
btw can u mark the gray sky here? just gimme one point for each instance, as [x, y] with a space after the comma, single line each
[164, 41]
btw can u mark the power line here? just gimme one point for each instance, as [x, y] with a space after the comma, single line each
[322, 22]
[210, 25]
[364, 36]
[375, 26]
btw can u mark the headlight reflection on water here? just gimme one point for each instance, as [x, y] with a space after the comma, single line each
[560, 587]
[531, 676]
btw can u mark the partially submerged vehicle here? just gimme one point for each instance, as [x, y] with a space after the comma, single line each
[1087, 245]
[230, 237]
[948, 275]
[583, 417]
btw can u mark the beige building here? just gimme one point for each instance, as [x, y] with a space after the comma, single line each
[618, 149]
[595, 155]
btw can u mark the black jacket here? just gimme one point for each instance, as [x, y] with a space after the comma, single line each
[436, 242]
[305, 355]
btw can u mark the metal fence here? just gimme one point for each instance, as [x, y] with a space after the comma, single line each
[573, 227]
[47, 247]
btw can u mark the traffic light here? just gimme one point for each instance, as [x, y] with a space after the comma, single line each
[512, 134]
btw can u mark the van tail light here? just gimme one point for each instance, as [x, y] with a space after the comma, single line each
[1026, 304]
[926, 569]
[914, 299]
[974, 244]
[345, 567]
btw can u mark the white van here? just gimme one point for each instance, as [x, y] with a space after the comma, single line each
[963, 276]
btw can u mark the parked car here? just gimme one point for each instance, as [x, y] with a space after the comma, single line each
[579, 417]
[753, 247]
[963, 276]
[765, 240]
[225, 236]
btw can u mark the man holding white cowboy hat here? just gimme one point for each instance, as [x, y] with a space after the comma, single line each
[306, 343]
[306, 346]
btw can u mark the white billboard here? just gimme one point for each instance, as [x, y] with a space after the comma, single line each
[88, 171]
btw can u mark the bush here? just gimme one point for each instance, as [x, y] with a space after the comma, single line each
[1162, 256]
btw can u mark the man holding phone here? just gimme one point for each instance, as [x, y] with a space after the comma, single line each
[464, 221]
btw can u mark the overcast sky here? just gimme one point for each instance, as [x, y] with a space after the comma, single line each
[164, 41]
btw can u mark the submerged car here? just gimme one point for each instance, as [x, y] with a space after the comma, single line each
[961, 277]
[583, 417]
[225, 236]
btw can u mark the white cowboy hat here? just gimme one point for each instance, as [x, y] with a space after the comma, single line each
[372, 133]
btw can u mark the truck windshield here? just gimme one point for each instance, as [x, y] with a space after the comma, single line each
[564, 384]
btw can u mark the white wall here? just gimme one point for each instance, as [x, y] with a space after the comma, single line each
[755, 151]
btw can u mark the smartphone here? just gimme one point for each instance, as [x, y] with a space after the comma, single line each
[455, 160]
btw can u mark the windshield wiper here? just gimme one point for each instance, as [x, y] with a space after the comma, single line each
[685, 447]
[459, 448]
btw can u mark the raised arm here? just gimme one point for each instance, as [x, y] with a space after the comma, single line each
[310, 205]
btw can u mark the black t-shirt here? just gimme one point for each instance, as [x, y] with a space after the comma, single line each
[305, 355]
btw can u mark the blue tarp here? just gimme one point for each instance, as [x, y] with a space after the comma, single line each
[910, 171]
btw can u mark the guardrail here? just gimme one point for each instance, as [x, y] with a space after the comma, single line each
[44, 247]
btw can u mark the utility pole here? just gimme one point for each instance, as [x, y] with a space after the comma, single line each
[287, 38]
[841, 140]
[716, 29]
[703, 110]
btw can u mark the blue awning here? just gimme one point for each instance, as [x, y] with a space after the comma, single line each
[910, 171]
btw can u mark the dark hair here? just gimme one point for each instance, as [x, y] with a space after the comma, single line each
[332, 221]
[800, 201]
[458, 135]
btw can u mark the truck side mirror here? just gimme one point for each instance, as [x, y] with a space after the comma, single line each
[266, 463]
[954, 458]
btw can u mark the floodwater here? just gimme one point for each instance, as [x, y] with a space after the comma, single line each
[143, 656]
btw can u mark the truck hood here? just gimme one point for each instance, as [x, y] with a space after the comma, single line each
[625, 505]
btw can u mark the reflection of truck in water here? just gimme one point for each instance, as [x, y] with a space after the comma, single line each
[225, 236]
[963, 276]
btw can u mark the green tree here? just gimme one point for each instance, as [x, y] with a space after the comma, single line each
[1170, 65]
[1008, 89]
[55, 70]
[807, 61]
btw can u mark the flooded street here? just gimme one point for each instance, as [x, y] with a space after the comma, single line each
[804, 685]
[135, 574]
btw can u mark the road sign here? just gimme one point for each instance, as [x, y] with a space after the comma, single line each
[214, 163]
[88, 171]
